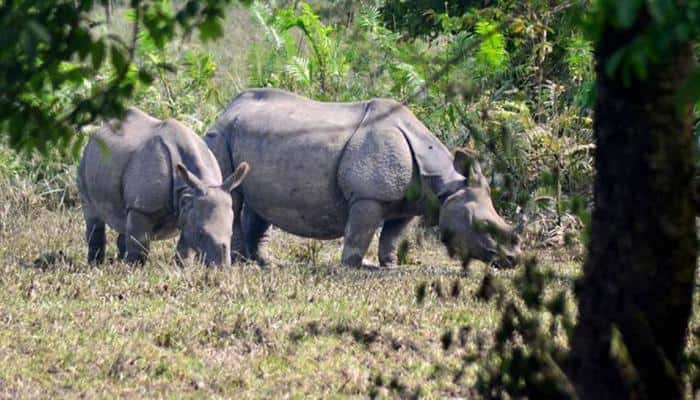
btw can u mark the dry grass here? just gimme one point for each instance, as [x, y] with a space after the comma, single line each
[304, 327]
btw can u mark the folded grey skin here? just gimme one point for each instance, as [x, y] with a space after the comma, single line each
[326, 170]
[150, 179]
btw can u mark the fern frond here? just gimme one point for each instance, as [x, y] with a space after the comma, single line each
[299, 71]
[492, 54]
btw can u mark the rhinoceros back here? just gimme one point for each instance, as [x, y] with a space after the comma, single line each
[293, 146]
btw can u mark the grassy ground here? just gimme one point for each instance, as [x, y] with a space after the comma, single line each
[304, 327]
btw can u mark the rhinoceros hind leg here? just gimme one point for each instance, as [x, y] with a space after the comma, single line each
[364, 218]
[138, 227]
[389, 239]
[256, 237]
[121, 246]
[96, 239]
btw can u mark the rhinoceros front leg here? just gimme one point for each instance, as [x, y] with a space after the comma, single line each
[389, 239]
[96, 240]
[256, 238]
[238, 251]
[138, 228]
[121, 246]
[364, 218]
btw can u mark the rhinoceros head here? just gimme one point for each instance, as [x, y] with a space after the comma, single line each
[206, 219]
[470, 227]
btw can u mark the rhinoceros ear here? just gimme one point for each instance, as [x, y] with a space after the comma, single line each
[467, 164]
[462, 161]
[236, 178]
[191, 179]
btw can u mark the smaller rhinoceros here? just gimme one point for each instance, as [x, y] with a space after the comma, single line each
[147, 179]
[326, 170]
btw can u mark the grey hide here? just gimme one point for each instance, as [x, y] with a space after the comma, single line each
[326, 170]
[148, 179]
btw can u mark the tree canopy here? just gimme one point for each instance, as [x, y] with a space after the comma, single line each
[59, 71]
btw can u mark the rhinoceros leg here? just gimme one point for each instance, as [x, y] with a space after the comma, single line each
[256, 238]
[96, 240]
[364, 218]
[138, 227]
[389, 239]
[238, 250]
[121, 246]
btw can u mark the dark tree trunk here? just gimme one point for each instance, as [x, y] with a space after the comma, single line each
[639, 275]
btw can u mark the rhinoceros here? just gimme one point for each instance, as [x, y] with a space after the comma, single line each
[325, 170]
[147, 179]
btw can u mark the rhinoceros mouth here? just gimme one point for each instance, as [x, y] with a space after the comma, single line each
[497, 259]
[504, 262]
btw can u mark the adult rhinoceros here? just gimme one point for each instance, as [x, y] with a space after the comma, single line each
[147, 179]
[326, 170]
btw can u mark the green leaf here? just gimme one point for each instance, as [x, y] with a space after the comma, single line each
[691, 90]
[39, 30]
[663, 11]
[613, 63]
[119, 61]
[98, 54]
[130, 15]
[82, 42]
[626, 12]
[55, 57]
[145, 76]
[492, 54]
[211, 29]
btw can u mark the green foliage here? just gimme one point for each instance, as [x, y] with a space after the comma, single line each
[313, 65]
[60, 74]
[421, 17]
[661, 25]
[183, 85]
[579, 62]
[531, 342]
[38, 181]
[579, 59]
[309, 253]
[325, 61]
[403, 252]
[492, 55]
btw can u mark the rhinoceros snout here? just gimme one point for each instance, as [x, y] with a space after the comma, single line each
[211, 256]
[225, 256]
[508, 259]
[217, 256]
